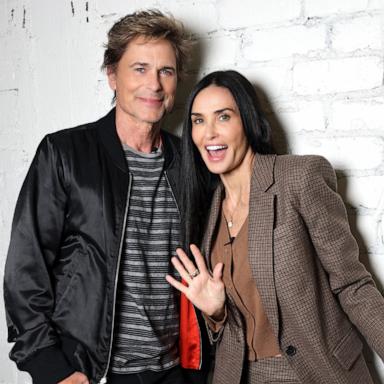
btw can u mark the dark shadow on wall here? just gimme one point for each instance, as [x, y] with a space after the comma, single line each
[280, 139]
[174, 121]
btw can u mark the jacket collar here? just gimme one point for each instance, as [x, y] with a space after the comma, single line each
[262, 173]
[106, 128]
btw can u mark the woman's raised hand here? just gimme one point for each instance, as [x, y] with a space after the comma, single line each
[205, 290]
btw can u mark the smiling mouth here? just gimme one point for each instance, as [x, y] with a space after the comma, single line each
[152, 101]
[216, 152]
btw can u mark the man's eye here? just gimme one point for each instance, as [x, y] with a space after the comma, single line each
[166, 72]
[140, 69]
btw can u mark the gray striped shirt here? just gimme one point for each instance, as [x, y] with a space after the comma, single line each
[147, 313]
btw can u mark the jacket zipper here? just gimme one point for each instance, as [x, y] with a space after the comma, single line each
[103, 380]
[173, 195]
[174, 198]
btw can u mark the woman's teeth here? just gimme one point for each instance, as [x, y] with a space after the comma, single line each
[216, 152]
[215, 147]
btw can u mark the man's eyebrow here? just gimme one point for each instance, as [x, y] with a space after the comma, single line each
[139, 64]
[169, 67]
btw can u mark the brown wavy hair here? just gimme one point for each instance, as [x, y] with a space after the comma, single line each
[151, 24]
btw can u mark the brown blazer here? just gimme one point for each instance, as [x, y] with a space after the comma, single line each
[305, 262]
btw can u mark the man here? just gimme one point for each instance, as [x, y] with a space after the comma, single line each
[95, 226]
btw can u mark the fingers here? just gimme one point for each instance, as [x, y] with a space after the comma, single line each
[218, 272]
[200, 262]
[180, 268]
[176, 284]
[187, 262]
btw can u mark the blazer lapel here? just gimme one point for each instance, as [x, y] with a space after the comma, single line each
[212, 222]
[260, 235]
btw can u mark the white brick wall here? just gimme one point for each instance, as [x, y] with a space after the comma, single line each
[328, 7]
[363, 115]
[345, 153]
[318, 65]
[338, 75]
[266, 44]
[248, 13]
[364, 32]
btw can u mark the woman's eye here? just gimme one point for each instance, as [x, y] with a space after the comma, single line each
[197, 121]
[224, 117]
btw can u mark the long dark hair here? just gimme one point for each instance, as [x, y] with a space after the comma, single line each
[198, 183]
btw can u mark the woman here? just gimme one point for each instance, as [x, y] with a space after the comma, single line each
[281, 286]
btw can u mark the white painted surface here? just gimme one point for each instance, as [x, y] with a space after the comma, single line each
[318, 63]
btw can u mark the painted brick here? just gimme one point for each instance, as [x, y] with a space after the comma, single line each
[218, 52]
[338, 75]
[284, 42]
[366, 226]
[273, 79]
[118, 8]
[7, 367]
[256, 12]
[199, 17]
[344, 153]
[362, 191]
[362, 116]
[360, 33]
[331, 7]
[375, 5]
[4, 17]
[8, 70]
[299, 116]
[11, 16]
[9, 137]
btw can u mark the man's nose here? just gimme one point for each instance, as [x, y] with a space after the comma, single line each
[154, 81]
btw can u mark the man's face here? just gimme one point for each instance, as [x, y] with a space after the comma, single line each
[145, 80]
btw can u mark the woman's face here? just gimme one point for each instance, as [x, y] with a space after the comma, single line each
[217, 130]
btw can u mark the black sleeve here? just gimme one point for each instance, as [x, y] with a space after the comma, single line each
[28, 292]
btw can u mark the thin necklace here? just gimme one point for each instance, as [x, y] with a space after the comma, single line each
[230, 221]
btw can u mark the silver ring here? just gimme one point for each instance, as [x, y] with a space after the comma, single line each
[194, 274]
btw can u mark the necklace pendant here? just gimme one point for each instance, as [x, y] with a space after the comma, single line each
[230, 224]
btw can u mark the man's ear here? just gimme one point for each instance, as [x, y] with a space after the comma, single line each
[111, 74]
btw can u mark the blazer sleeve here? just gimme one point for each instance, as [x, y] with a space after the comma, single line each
[28, 291]
[215, 327]
[326, 219]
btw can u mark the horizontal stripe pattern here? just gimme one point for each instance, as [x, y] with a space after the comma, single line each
[147, 316]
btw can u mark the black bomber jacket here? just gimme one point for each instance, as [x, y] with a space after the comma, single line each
[62, 265]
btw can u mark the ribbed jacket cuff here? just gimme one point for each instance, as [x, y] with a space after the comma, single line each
[48, 366]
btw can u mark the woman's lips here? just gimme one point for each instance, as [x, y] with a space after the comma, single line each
[216, 152]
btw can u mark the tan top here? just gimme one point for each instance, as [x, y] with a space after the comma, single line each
[239, 283]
